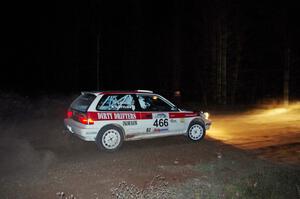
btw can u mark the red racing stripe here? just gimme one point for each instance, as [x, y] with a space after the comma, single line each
[183, 114]
[120, 115]
[135, 115]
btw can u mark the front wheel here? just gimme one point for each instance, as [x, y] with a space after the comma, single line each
[196, 131]
[110, 138]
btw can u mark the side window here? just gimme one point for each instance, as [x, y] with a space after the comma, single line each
[153, 103]
[117, 102]
[144, 102]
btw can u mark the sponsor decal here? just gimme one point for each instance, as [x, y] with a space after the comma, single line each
[173, 121]
[126, 107]
[116, 116]
[124, 116]
[148, 130]
[105, 116]
[160, 129]
[160, 115]
[129, 123]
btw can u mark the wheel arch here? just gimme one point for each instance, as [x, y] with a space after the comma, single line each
[197, 120]
[193, 121]
[115, 125]
[200, 122]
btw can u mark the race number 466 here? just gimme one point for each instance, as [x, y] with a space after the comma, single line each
[161, 122]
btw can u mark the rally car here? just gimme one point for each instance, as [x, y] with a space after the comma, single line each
[111, 117]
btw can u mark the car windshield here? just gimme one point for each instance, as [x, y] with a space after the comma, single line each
[83, 102]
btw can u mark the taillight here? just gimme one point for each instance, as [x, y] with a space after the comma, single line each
[84, 120]
[69, 113]
[88, 118]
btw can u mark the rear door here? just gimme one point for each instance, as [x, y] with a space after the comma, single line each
[119, 109]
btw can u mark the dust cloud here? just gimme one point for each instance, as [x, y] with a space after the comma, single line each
[19, 158]
[31, 130]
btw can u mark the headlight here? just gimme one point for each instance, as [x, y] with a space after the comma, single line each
[206, 115]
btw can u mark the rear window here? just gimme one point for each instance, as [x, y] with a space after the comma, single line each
[83, 102]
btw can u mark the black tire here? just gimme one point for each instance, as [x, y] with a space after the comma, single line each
[110, 138]
[196, 131]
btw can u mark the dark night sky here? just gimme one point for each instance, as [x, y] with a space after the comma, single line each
[52, 47]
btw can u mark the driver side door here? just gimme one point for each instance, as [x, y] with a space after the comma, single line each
[163, 120]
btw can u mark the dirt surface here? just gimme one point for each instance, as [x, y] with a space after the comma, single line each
[272, 132]
[39, 160]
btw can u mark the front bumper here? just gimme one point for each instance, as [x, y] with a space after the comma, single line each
[207, 125]
[84, 132]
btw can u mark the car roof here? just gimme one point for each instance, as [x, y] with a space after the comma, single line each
[117, 92]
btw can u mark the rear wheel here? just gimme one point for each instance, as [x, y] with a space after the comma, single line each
[196, 131]
[109, 138]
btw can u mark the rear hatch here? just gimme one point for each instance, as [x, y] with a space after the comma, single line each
[79, 107]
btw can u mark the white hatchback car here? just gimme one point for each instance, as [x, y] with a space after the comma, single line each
[111, 117]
